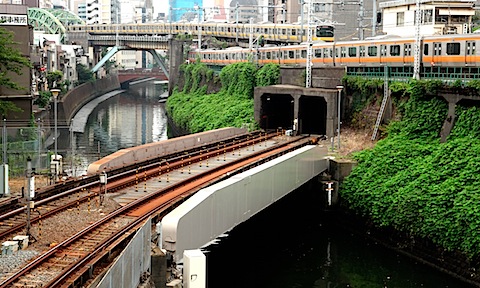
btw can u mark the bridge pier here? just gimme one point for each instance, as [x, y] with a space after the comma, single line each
[175, 55]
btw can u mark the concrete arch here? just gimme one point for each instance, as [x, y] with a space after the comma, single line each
[52, 21]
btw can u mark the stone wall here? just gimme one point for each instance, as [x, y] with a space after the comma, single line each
[71, 102]
[321, 77]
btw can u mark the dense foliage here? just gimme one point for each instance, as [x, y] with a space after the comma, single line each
[84, 74]
[195, 110]
[11, 60]
[413, 183]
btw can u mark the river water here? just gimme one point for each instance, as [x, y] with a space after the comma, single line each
[292, 244]
[129, 119]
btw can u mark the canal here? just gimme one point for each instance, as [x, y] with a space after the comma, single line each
[292, 244]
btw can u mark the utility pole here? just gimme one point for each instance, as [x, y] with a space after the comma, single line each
[236, 22]
[374, 18]
[29, 193]
[199, 9]
[302, 2]
[361, 14]
[416, 56]
[308, 71]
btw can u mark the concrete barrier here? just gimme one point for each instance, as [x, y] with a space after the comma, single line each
[141, 153]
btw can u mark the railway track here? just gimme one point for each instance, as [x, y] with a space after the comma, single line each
[70, 263]
[62, 196]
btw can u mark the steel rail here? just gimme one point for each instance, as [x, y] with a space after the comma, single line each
[130, 207]
[93, 182]
[154, 207]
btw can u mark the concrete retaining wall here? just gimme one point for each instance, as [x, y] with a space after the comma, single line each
[134, 261]
[321, 77]
[140, 153]
[71, 102]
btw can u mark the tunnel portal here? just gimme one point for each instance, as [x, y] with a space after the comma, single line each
[303, 110]
[277, 112]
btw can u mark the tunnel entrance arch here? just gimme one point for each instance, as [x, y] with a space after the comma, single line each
[314, 109]
[277, 111]
[312, 115]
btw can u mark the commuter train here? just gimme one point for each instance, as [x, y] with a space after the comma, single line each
[454, 56]
[272, 33]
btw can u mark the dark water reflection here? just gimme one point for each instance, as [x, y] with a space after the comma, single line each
[129, 119]
[294, 244]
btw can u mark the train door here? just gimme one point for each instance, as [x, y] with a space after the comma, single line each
[383, 53]
[470, 52]
[407, 53]
[437, 52]
[361, 55]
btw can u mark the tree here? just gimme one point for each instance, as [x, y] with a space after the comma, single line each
[84, 75]
[8, 106]
[54, 78]
[11, 60]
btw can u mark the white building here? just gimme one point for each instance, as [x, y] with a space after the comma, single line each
[437, 17]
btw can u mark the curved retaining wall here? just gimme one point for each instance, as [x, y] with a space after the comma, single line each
[71, 102]
[140, 153]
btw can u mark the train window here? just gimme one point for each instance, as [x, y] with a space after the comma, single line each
[294, 32]
[453, 48]
[343, 52]
[437, 48]
[395, 50]
[284, 31]
[304, 54]
[269, 55]
[361, 51]
[318, 53]
[425, 49]
[407, 49]
[470, 48]
[352, 51]
[291, 54]
[372, 50]
[325, 31]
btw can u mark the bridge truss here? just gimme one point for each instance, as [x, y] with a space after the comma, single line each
[53, 21]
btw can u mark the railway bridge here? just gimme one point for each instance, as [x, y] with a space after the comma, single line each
[183, 193]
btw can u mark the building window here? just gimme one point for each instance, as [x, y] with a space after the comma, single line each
[400, 17]
[319, 7]
[427, 17]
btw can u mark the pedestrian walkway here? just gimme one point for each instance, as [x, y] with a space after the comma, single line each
[79, 121]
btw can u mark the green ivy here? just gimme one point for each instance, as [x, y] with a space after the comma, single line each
[413, 183]
[195, 110]
[267, 75]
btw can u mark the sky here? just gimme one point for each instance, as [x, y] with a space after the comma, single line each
[160, 6]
